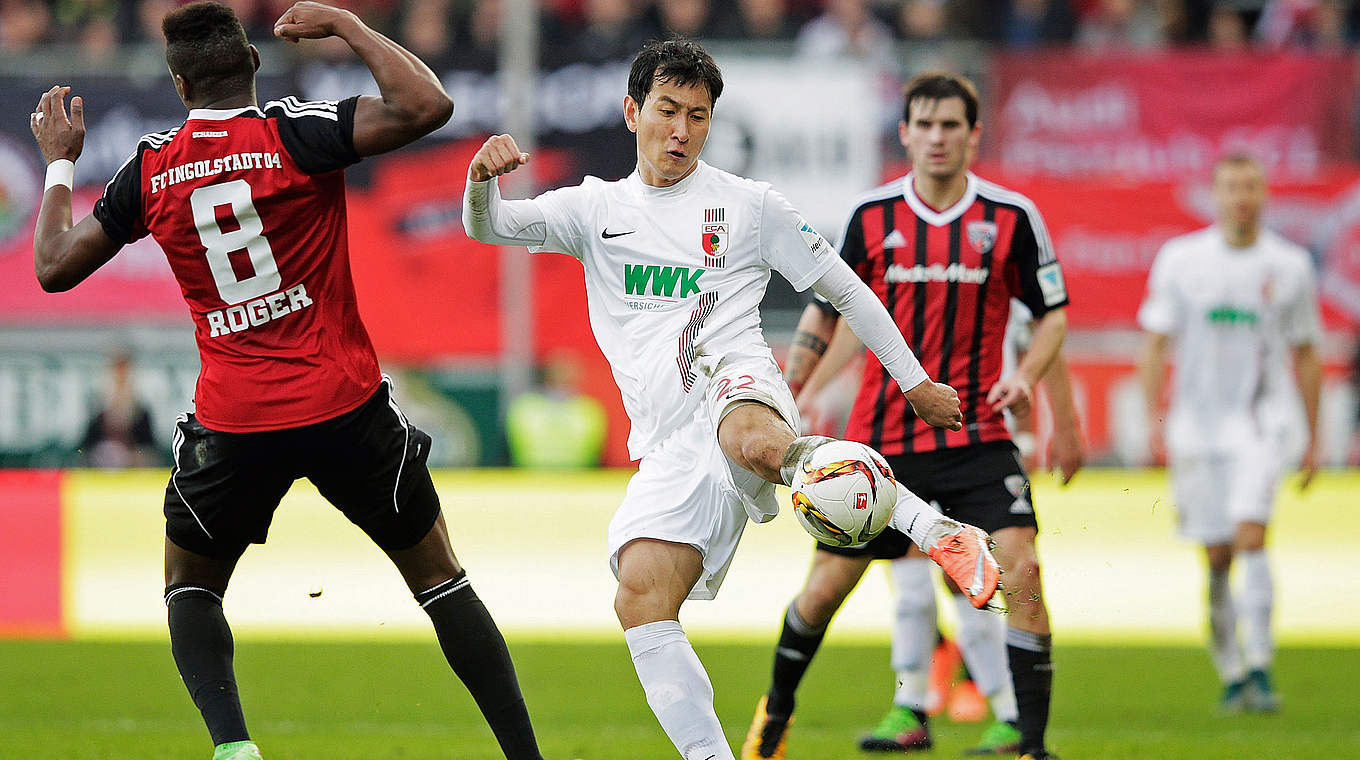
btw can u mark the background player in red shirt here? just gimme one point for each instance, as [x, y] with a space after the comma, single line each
[946, 252]
[248, 204]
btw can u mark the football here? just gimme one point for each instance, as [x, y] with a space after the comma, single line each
[844, 493]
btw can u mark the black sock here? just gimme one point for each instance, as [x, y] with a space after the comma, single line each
[476, 650]
[1032, 673]
[798, 642]
[201, 643]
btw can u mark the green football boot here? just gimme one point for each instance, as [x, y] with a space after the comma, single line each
[899, 731]
[237, 751]
[1000, 738]
[1261, 696]
[1234, 699]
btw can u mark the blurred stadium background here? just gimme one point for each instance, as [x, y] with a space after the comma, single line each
[1107, 113]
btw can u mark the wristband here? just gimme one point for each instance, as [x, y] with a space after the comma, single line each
[60, 172]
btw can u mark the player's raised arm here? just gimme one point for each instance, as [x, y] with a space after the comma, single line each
[412, 103]
[64, 255]
[487, 217]
[936, 403]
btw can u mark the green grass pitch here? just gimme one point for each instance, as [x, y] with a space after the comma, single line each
[397, 700]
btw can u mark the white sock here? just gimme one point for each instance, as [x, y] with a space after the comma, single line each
[913, 630]
[981, 636]
[918, 519]
[1223, 644]
[1258, 600]
[677, 689]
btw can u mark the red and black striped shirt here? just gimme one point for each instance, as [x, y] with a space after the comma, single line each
[947, 278]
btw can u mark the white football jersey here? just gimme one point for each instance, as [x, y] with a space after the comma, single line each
[1234, 314]
[674, 279]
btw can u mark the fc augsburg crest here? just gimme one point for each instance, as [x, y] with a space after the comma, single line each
[982, 235]
[714, 241]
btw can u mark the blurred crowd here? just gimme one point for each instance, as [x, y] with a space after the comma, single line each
[447, 31]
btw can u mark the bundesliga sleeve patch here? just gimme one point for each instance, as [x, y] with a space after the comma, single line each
[813, 239]
[1051, 283]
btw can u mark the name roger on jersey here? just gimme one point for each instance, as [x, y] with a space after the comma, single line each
[255, 313]
[211, 168]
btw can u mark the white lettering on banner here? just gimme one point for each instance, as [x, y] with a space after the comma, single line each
[257, 312]
[211, 168]
[936, 273]
[1105, 107]
[1287, 150]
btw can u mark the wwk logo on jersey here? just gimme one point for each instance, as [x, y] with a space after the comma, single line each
[982, 235]
[663, 281]
[714, 240]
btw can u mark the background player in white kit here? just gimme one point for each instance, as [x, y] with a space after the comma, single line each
[1240, 302]
[676, 258]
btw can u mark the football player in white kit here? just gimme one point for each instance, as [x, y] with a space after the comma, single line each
[1240, 303]
[676, 258]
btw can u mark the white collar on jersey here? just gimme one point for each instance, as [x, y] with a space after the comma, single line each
[930, 215]
[670, 191]
[219, 114]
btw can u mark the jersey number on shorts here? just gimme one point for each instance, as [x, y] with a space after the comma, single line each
[249, 235]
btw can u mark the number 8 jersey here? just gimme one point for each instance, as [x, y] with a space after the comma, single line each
[249, 207]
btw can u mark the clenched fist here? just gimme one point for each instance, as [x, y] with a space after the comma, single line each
[498, 155]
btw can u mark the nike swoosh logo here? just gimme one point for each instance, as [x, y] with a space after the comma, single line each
[605, 234]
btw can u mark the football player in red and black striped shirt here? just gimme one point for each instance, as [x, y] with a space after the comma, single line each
[248, 204]
[946, 252]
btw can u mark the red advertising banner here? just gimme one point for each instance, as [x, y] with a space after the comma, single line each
[136, 285]
[1107, 233]
[30, 553]
[1167, 115]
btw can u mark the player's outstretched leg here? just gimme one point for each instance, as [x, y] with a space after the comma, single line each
[961, 550]
[829, 582]
[655, 577]
[202, 645]
[469, 638]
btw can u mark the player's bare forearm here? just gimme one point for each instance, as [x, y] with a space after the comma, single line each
[412, 102]
[1308, 375]
[809, 344]
[1067, 448]
[1047, 339]
[1152, 371]
[840, 350]
[1058, 383]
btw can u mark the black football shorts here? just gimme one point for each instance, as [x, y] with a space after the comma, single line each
[983, 484]
[369, 463]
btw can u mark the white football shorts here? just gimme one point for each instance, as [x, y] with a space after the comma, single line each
[687, 491]
[1217, 490]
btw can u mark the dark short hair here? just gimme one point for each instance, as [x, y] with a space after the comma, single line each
[1237, 159]
[677, 61]
[205, 44]
[937, 85]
